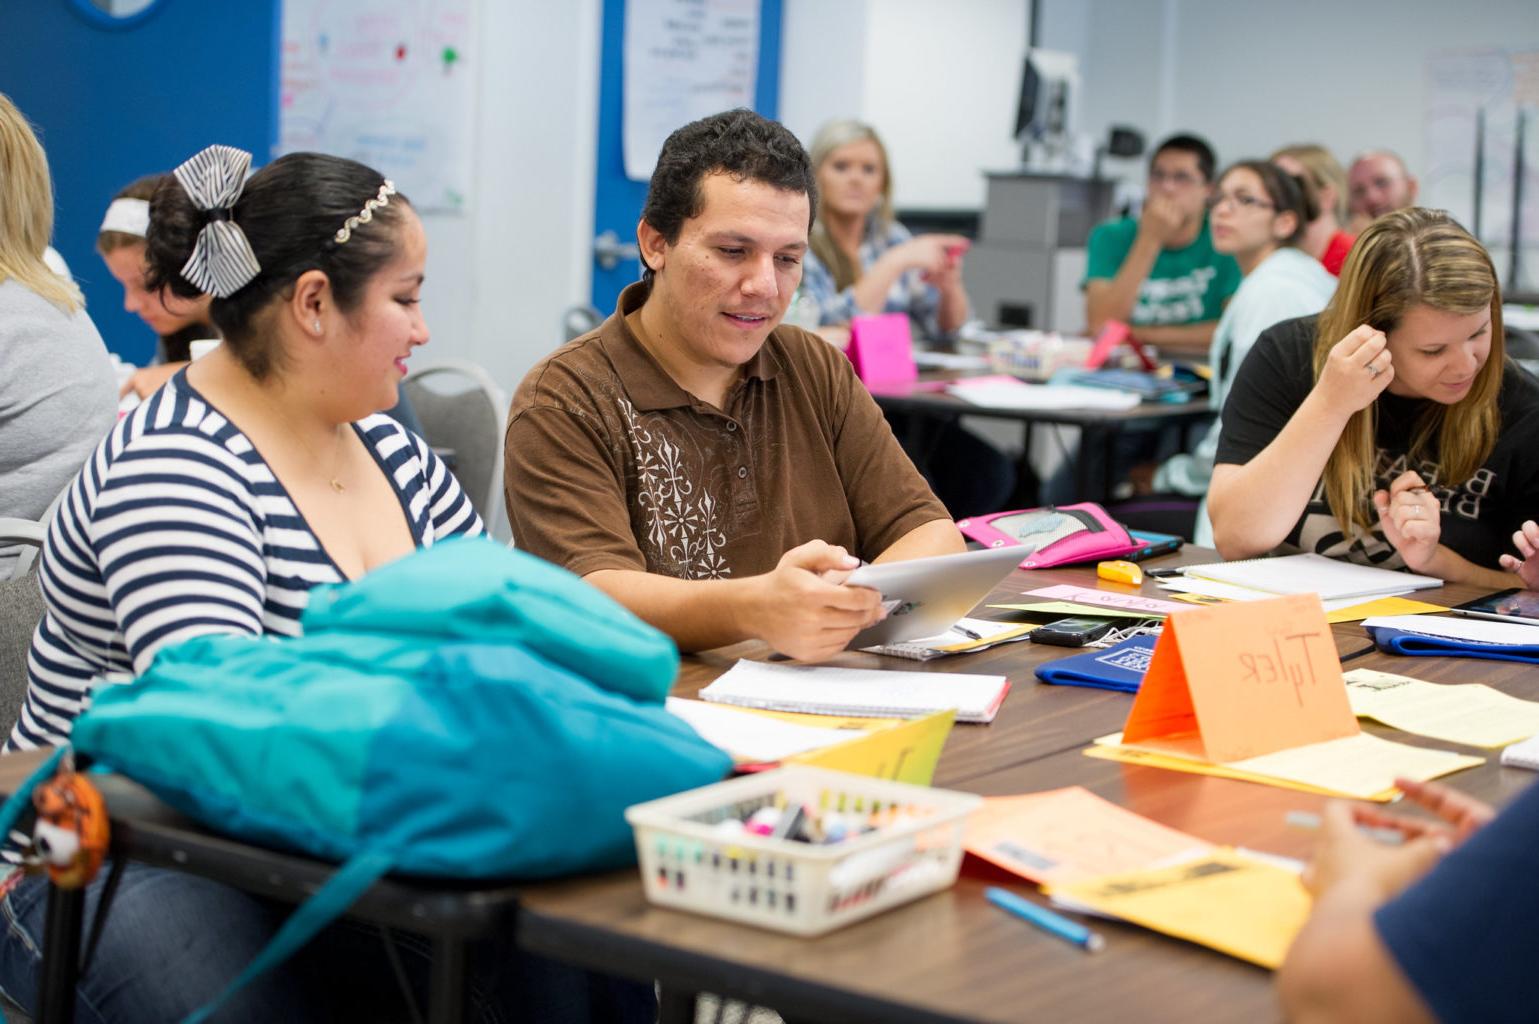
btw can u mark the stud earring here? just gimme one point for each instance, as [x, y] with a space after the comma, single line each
[316, 327]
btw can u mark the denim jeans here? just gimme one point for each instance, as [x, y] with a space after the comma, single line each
[173, 941]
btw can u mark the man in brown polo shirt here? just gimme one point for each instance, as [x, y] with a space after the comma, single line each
[713, 471]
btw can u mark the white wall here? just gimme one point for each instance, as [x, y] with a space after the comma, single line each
[499, 276]
[1252, 75]
[938, 81]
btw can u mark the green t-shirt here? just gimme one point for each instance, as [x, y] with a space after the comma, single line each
[1186, 286]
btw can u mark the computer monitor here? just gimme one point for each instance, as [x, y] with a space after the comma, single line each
[1044, 114]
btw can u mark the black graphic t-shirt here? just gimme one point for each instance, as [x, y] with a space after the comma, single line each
[1479, 514]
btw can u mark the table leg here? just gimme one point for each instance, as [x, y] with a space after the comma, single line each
[446, 982]
[60, 968]
[1028, 488]
[675, 1006]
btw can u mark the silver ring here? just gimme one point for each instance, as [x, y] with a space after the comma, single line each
[1373, 371]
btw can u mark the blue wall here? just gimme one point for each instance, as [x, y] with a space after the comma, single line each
[114, 102]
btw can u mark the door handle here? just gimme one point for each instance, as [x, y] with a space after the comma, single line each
[609, 250]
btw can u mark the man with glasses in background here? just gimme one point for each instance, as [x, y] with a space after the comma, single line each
[1159, 274]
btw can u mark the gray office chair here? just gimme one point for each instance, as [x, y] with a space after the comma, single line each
[21, 606]
[462, 409]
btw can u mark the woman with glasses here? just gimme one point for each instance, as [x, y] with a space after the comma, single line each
[1390, 430]
[1258, 215]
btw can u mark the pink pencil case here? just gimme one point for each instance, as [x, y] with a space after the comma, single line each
[1064, 534]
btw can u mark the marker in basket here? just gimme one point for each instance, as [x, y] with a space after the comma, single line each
[1053, 924]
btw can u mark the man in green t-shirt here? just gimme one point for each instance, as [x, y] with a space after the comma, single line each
[1159, 273]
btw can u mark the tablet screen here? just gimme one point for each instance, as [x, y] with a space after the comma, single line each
[1521, 604]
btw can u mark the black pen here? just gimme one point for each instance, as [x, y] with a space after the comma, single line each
[1160, 574]
[970, 634]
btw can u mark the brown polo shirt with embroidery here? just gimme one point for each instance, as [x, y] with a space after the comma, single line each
[612, 465]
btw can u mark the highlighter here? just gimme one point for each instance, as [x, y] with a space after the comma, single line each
[1120, 572]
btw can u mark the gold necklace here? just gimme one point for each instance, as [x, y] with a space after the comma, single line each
[336, 485]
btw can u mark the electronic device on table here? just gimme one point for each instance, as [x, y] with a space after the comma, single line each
[1515, 605]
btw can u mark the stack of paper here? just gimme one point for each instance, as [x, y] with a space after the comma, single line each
[1362, 766]
[1330, 578]
[858, 692]
[899, 749]
[1009, 393]
[1468, 713]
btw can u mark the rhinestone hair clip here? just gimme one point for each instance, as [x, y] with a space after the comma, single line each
[367, 213]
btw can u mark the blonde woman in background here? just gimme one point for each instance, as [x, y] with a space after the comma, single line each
[862, 261]
[1323, 237]
[57, 395]
[1391, 429]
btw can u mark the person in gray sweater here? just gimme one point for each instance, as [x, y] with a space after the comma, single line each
[58, 397]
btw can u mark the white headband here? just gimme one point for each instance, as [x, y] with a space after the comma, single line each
[130, 216]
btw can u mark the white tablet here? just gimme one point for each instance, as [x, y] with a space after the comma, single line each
[925, 596]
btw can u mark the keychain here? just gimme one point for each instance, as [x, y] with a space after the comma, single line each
[70, 838]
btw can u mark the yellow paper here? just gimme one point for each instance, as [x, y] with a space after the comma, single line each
[1152, 759]
[1469, 713]
[1246, 908]
[904, 752]
[1060, 608]
[1382, 606]
[1362, 766]
[1067, 835]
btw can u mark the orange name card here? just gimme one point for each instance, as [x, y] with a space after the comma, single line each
[1242, 679]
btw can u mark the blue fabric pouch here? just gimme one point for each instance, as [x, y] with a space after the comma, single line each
[1399, 641]
[1120, 667]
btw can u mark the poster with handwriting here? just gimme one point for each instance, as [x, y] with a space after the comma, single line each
[1238, 680]
[388, 85]
[684, 59]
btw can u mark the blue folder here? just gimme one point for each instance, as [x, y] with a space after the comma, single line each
[1120, 668]
[1399, 641]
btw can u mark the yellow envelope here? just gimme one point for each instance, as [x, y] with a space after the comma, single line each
[905, 752]
[1382, 606]
[1246, 908]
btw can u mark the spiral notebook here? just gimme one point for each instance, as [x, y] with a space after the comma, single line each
[858, 693]
[1312, 574]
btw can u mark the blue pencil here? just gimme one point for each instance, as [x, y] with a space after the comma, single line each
[1053, 924]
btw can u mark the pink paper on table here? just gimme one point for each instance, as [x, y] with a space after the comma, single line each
[1108, 599]
[1061, 836]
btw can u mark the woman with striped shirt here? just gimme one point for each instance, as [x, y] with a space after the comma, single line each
[255, 474]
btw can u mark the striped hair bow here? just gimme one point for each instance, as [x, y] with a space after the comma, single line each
[222, 262]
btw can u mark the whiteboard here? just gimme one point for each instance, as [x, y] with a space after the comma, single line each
[684, 59]
[1502, 85]
[389, 85]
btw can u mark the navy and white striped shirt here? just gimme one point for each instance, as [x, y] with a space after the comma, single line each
[176, 527]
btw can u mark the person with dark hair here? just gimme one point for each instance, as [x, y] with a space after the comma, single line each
[1259, 216]
[715, 471]
[1160, 274]
[254, 474]
[1391, 429]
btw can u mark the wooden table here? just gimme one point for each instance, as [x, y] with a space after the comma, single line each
[952, 956]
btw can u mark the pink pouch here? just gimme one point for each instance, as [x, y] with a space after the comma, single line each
[1064, 535]
[882, 348]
